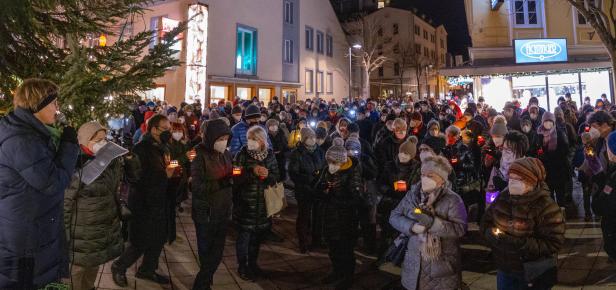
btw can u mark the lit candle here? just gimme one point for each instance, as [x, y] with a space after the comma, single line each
[417, 211]
[497, 231]
[237, 171]
[192, 155]
[173, 164]
[400, 185]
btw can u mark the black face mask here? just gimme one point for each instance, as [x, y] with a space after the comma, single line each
[165, 136]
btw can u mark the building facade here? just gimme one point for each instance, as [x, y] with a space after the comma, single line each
[413, 47]
[235, 48]
[533, 48]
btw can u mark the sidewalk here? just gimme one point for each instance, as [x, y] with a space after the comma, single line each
[582, 261]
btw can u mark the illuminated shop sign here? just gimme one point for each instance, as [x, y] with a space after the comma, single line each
[540, 50]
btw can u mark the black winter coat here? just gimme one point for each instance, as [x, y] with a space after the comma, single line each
[304, 168]
[249, 211]
[341, 199]
[463, 163]
[387, 150]
[150, 201]
[212, 185]
[556, 164]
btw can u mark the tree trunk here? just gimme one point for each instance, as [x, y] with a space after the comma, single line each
[613, 58]
[365, 83]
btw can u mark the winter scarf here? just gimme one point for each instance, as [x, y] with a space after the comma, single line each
[431, 244]
[550, 137]
[257, 155]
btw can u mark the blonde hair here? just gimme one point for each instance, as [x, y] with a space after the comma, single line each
[258, 133]
[32, 91]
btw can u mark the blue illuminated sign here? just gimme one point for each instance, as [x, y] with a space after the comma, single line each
[540, 50]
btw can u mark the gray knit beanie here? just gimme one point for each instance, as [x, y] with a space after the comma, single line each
[337, 153]
[409, 146]
[306, 133]
[500, 126]
[353, 144]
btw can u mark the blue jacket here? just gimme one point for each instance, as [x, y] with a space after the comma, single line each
[33, 177]
[238, 137]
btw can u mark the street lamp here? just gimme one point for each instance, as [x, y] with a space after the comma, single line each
[356, 46]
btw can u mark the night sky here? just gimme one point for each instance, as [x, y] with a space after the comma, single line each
[453, 17]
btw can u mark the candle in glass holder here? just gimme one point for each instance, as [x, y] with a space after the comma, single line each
[400, 185]
[192, 154]
[237, 171]
[497, 231]
[417, 210]
[173, 164]
[491, 196]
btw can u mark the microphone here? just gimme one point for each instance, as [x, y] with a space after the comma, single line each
[61, 119]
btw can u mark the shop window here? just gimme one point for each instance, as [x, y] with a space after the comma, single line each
[288, 51]
[320, 42]
[309, 38]
[594, 84]
[218, 93]
[527, 13]
[309, 81]
[330, 83]
[243, 93]
[320, 80]
[265, 95]
[246, 54]
[525, 87]
[559, 85]
[288, 12]
[587, 3]
[329, 44]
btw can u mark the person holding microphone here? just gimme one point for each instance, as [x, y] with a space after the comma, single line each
[36, 165]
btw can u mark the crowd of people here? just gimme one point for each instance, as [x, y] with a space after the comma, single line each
[378, 176]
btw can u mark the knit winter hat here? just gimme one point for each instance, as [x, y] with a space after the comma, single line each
[306, 133]
[434, 123]
[87, 131]
[337, 153]
[500, 126]
[409, 146]
[611, 142]
[530, 169]
[353, 144]
[321, 133]
[437, 165]
[215, 114]
[172, 109]
[252, 112]
[236, 110]
[271, 122]
[547, 116]
[437, 144]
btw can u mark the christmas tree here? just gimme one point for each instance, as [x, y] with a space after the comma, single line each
[65, 41]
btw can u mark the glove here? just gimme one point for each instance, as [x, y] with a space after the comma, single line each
[423, 219]
[418, 229]
[69, 135]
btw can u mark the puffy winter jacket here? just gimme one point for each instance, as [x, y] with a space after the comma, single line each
[304, 168]
[249, 211]
[211, 185]
[92, 217]
[387, 150]
[33, 177]
[534, 221]
[341, 197]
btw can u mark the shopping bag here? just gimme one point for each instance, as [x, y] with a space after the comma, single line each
[275, 200]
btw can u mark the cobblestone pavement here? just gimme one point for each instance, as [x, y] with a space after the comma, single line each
[582, 262]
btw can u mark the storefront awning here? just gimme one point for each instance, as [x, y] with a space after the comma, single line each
[544, 68]
[234, 80]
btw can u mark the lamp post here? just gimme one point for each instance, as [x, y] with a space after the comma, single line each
[356, 46]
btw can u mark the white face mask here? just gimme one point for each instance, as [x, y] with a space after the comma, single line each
[177, 136]
[98, 145]
[237, 118]
[188, 114]
[273, 128]
[220, 146]
[263, 119]
[173, 117]
[320, 141]
[182, 120]
[333, 168]
[253, 145]
[404, 158]
[425, 154]
[533, 116]
[548, 125]
[594, 133]
[428, 184]
[517, 187]
[310, 142]
[281, 117]
[526, 129]
[498, 141]
[506, 159]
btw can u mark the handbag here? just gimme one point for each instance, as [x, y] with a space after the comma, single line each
[275, 200]
[394, 256]
[541, 273]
